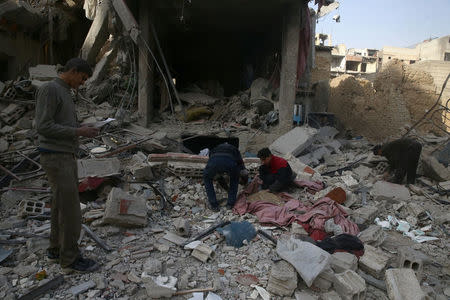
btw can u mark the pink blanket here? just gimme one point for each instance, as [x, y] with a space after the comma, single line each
[293, 210]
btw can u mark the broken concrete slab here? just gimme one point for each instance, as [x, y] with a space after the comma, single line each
[342, 261]
[282, 279]
[362, 172]
[331, 295]
[365, 214]
[433, 169]
[81, 288]
[383, 190]
[374, 261]
[98, 33]
[101, 67]
[373, 235]
[402, 284]
[176, 239]
[160, 287]
[294, 142]
[124, 209]
[308, 259]
[43, 72]
[100, 167]
[349, 285]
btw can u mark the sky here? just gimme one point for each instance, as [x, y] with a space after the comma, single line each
[377, 23]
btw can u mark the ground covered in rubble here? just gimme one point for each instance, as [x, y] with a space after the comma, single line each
[233, 273]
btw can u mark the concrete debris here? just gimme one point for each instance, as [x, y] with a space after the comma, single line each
[433, 169]
[365, 214]
[182, 226]
[308, 259]
[203, 252]
[124, 209]
[403, 284]
[81, 288]
[294, 142]
[103, 167]
[283, 279]
[342, 261]
[43, 72]
[374, 261]
[350, 285]
[160, 287]
[383, 190]
[373, 235]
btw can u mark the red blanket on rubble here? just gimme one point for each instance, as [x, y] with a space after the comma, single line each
[313, 217]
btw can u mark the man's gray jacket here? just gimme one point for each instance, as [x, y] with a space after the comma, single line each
[56, 119]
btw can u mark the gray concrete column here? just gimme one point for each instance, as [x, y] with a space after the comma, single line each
[289, 58]
[146, 66]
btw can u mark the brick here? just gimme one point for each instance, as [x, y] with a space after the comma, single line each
[365, 214]
[402, 284]
[411, 259]
[374, 235]
[374, 261]
[342, 261]
[203, 252]
[350, 286]
[283, 279]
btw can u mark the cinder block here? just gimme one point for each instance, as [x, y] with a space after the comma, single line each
[342, 261]
[365, 214]
[31, 208]
[374, 261]
[182, 226]
[12, 113]
[203, 252]
[350, 286]
[402, 284]
[188, 169]
[324, 281]
[411, 259]
[124, 209]
[374, 235]
[283, 279]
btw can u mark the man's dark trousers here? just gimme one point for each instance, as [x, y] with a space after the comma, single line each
[62, 174]
[275, 182]
[221, 164]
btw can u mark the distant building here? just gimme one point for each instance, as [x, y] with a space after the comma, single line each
[353, 60]
[434, 49]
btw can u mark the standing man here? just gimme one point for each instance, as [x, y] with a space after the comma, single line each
[275, 172]
[403, 157]
[58, 133]
[225, 158]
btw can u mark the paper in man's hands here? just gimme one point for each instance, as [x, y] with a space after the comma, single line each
[102, 123]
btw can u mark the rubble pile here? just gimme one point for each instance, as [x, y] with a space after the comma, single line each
[399, 96]
[144, 216]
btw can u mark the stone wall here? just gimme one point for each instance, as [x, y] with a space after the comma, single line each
[399, 96]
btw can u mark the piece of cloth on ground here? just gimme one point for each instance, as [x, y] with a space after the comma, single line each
[313, 218]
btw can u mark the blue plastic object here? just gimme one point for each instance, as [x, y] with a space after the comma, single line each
[236, 232]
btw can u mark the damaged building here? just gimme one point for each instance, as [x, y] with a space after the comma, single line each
[172, 80]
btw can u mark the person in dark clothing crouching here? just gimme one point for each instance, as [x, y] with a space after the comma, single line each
[275, 172]
[224, 158]
[403, 157]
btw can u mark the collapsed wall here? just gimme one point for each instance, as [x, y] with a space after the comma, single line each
[399, 96]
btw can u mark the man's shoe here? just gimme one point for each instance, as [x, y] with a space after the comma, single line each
[81, 265]
[230, 206]
[52, 255]
[214, 208]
